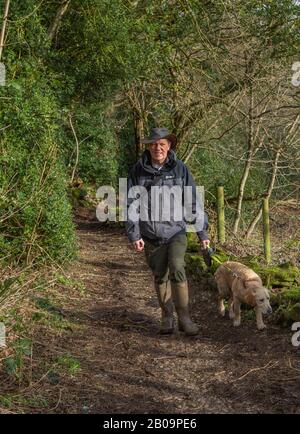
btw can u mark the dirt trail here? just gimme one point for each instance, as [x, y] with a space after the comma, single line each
[127, 367]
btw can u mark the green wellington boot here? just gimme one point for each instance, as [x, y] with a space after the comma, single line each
[180, 293]
[164, 295]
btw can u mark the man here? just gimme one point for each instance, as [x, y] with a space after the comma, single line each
[164, 240]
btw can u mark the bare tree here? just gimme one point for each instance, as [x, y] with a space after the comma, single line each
[290, 142]
[256, 219]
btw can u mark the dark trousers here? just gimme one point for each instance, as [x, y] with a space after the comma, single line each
[167, 260]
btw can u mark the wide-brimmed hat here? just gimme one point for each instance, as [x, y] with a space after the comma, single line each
[160, 133]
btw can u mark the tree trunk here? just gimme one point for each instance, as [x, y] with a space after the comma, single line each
[77, 149]
[135, 95]
[181, 137]
[60, 13]
[247, 165]
[268, 194]
[2, 36]
[138, 132]
[188, 153]
[267, 238]
[221, 214]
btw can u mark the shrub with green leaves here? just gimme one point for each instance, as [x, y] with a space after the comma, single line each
[35, 216]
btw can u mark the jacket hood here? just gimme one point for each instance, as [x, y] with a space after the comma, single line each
[145, 162]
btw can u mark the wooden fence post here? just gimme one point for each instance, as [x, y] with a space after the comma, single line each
[221, 214]
[266, 230]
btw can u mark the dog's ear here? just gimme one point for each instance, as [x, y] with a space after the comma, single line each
[252, 284]
[251, 298]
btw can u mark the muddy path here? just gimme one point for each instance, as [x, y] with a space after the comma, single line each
[127, 367]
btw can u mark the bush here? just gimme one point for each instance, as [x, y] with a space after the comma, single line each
[35, 215]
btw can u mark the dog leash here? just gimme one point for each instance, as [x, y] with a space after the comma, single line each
[222, 263]
[232, 272]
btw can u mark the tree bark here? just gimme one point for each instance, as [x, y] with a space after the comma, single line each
[136, 99]
[138, 132]
[267, 236]
[77, 149]
[2, 36]
[60, 13]
[221, 214]
[247, 164]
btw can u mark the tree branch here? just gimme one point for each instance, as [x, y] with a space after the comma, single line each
[77, 148]
[6, 9]
[60, 13]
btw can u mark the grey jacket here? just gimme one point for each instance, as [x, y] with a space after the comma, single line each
[174, 172]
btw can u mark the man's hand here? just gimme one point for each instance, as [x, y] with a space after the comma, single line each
[205, 244]
[139, 245]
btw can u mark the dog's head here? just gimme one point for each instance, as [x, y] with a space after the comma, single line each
[260, 298]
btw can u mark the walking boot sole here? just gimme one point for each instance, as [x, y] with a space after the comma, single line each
[181, 329]
[166, 332]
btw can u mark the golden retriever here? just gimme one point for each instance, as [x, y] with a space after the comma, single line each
[240, 284]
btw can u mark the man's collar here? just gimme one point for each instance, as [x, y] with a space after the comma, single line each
[158, 165]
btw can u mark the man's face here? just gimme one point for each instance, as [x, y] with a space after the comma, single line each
[159, 150]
